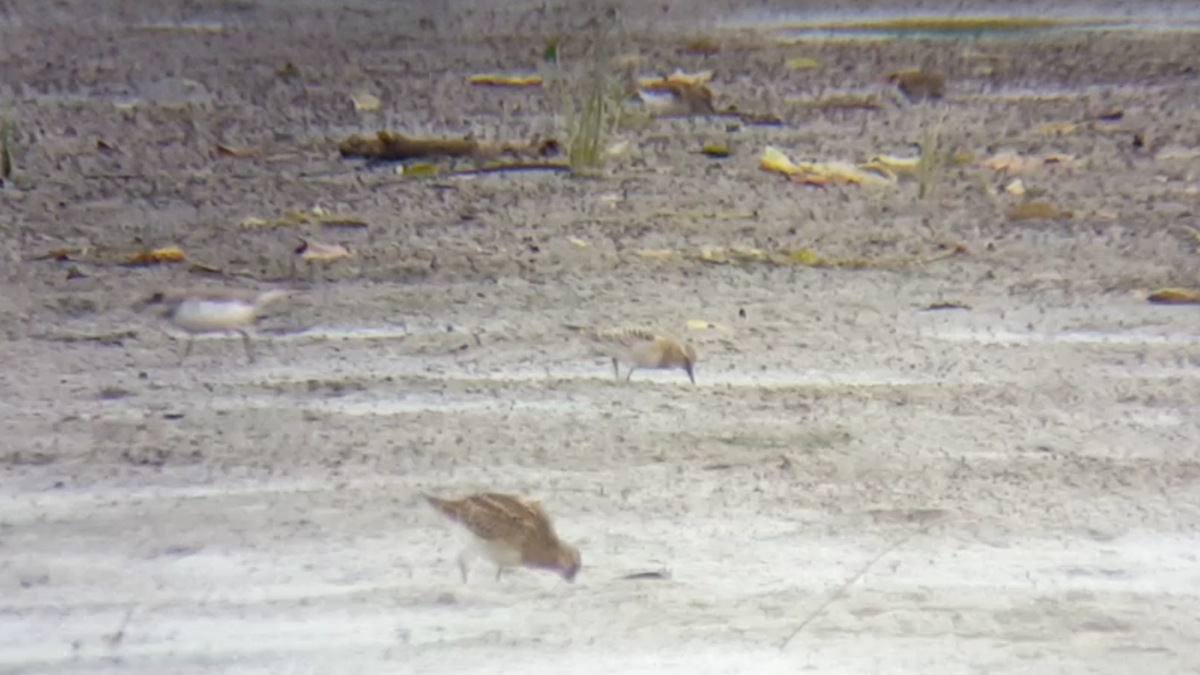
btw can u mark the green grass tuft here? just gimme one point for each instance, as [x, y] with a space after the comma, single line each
[589, 96]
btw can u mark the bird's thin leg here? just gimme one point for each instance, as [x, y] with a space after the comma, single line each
[499, 569]
[631, 369]
[462, 565]
[187, 350]
[246, 341]
[616, 368]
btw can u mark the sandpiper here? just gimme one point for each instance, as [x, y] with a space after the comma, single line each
[642, 348]
[198, 311]
[509, 532]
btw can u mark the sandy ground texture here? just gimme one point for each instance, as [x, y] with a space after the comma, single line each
[1018, 476]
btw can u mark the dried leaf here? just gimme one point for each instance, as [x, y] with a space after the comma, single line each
[311, 249]
[1175, 296]
[1177, 152]
[700, 324]
[801, 63]
[805, 256]
[899, 165]
[578, 242]
[825, 173]
[158, 255]
[253, 222]
[1015, 187]
[418, 170]
[714, 254]
[655, 255]
[718, 150]
[232, 151]
[747, 253]
[494, 80]
[678, 77]
[207, 269]
[773, 159]
[365, 101]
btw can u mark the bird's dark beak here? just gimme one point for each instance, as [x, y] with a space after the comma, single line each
[691, 375]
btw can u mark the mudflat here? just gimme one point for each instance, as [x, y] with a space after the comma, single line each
[930, 433]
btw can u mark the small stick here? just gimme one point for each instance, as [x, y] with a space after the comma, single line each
[841, 591]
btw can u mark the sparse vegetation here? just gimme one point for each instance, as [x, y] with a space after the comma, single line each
[587, 93]
[930, 161]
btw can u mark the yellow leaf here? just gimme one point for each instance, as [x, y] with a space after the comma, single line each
[805, 256]
[678, 76]
[654, 255]
[1175, 296]
[1015, 187]
[578, 242]
[417, 170]
[364, 101]
[158, 255]
[253, 222]
[493, 80]
[773, 159]
[747, 253]
[699, 324]
[903, 165]
[713, 254]
[311, 249]
[801, 63]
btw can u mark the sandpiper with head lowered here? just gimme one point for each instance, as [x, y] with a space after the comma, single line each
[210, 310]
[508, 531]
[641, 348]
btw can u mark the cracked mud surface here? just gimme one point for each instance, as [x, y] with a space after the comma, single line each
[1036, 456]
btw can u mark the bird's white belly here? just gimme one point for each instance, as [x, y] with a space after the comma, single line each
[497, 553]
[207, 316]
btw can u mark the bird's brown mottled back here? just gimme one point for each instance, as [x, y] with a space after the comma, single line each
[494, 517]
[513, 531]
[641, 348]
[631, 333]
